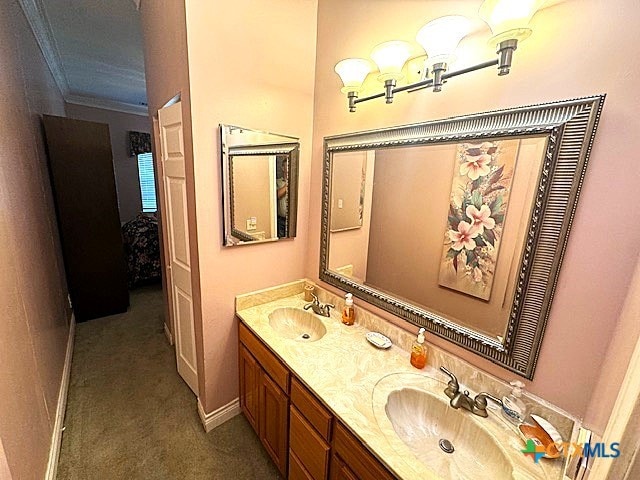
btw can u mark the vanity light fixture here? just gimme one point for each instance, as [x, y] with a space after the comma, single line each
[390, 58]
[508, 20]
[440, 38]
[352, 72]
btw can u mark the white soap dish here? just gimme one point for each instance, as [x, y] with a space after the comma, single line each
[550, 429]
[378, 340]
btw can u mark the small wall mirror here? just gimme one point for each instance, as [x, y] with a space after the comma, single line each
[459, 225]
[260, 185]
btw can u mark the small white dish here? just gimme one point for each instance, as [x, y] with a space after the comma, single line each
[378, 340]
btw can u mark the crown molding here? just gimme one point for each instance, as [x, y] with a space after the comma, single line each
[39, 22]
[106, 104]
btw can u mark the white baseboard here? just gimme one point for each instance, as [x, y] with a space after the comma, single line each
[167, 333]
[56, 438]
[219, 416]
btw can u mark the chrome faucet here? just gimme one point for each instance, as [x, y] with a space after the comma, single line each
[477, 405]
[318, 307]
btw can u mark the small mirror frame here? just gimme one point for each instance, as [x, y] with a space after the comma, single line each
[570, 126]
[282, 147]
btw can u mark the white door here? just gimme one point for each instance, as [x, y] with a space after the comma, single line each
[177, 236]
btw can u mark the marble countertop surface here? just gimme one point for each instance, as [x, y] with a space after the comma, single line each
[353, 378]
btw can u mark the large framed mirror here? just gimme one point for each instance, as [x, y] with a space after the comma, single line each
[464, 221]
[260, 185]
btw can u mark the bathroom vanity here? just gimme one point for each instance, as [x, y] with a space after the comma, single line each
[296, 429]
[328, 405]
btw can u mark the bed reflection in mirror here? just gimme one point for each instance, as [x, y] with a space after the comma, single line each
[260, 179]
[442, 226]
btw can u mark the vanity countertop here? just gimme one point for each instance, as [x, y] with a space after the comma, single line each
[343, 369]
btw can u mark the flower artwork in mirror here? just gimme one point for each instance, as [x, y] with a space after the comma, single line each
[464, 221]
[260, 185]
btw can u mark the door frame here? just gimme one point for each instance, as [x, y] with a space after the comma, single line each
[622, 424]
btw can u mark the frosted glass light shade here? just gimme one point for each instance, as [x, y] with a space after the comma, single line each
[509, 19]
[352, 72]
[390, 58]
[441, 36]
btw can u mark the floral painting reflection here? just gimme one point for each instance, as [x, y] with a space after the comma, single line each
[479, 199]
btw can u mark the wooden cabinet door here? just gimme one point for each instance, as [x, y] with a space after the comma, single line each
[274, 421]
[357, 460]
[340, 470]
[249, 387]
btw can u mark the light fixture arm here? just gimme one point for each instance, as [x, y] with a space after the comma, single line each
[438, 71]
[389, 86]
[354, 100]
[352, 96]
[505, 51]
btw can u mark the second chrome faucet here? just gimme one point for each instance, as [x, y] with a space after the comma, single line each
[318, 307]
[458, 399]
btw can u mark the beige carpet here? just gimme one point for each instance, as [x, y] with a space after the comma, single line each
[130, 416]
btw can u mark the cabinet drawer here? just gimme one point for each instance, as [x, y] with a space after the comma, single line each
[364, 465]
[296, 469]
[308, 446]
[267, 360]
[315, 413]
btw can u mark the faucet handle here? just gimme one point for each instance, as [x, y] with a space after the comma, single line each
[315, 298]
[480, 403]
[451, 375]
[452, 386]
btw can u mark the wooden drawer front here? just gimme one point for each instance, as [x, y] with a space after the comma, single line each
[267, 360]
[357, 457]
[308, 446]
[340, 470]
[296, 470]
[311, 409]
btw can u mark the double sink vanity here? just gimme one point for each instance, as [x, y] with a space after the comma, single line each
[327, 404]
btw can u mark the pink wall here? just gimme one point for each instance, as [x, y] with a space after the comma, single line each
[553, 64]
[34, 327]
[260, 77]
[126, 167]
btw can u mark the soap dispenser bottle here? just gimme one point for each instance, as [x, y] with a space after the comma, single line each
[419, 351]
[513, 408]
[348, 313]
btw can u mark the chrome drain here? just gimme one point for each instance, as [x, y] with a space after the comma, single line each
[446, 445]
[306, 336]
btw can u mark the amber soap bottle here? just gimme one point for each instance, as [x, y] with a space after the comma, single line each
[419, 351]
[348, 313]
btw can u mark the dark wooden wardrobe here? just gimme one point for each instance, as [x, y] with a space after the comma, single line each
[84, 189]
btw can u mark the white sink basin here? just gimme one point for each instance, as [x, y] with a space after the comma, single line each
[297, 324]
[416, 420]
[422, 421]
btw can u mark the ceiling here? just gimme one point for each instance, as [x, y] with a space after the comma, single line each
[94, 49]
